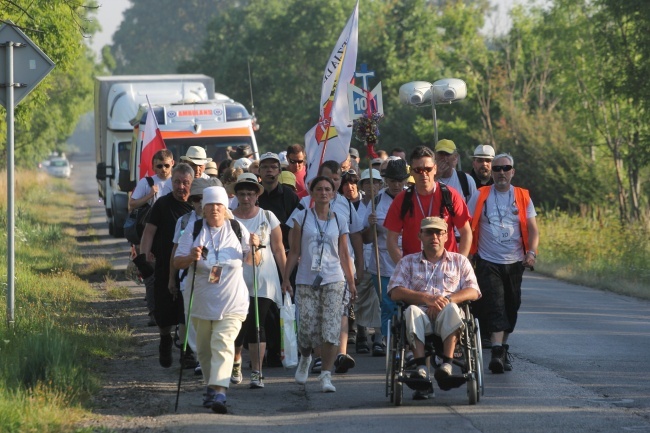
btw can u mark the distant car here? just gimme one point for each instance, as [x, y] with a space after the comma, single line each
[59, 167]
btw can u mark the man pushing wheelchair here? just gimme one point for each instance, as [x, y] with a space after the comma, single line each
[433, 283]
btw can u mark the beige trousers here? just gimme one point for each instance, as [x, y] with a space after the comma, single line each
[418, 325]
[215, 347]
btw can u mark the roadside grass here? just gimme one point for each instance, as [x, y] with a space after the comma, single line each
[48, 357]
[596, 252]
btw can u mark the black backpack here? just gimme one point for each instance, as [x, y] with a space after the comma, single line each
[198, 225]
[137, 219]
[446, 203]
[464, 184]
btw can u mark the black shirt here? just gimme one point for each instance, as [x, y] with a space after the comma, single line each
[164, 214]
[281, 201]
[478, 181]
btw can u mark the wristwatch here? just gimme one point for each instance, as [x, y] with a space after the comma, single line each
[448, 297]
[532, 252]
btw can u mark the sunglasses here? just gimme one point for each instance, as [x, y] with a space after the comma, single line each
[422, 170]
[434, 232]
[196, 198]
[163, 165]
[499, 168]
[349, 172]
[296, 161]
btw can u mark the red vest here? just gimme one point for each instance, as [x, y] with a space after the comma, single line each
[522, 198]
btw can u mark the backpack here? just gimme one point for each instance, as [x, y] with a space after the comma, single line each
[198, 225]
[464, 184]
[137, 219]
[446, 203]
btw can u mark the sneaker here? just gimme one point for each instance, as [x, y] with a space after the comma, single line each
[362, 347]
[302, 372]
[497, 362]
[209, 398]
[343, 363]
[219, 407]
[378, 349]
[352, 338]
[236, 376]
[165, 351]
[420, 373]
[318, 363]
[408, 357]
[507, 360]
[443, 372]
[326, 382]
[256, 380]
[420, 395]
[197, 370]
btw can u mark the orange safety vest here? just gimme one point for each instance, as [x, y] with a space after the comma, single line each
[522, 198]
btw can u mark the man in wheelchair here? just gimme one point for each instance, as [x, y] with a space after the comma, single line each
[433, 283]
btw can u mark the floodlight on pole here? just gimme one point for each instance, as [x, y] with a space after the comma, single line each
[445, 91]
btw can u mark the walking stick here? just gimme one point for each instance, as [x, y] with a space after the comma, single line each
[187, 334]
[374, 231]
[257, 309]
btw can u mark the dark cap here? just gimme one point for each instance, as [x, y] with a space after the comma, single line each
[242, 151]
[396, 169]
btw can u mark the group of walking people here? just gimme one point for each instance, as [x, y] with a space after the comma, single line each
[226, 256]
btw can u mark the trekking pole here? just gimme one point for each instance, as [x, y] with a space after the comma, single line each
[257, 309]
[187, 334]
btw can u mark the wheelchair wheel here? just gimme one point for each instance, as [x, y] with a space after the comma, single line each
[472, 391]
[390, 364]
[479, 358]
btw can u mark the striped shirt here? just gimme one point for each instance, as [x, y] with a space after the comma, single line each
[453, 272]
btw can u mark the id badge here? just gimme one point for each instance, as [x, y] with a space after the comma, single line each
[504, 235]
[315, 263]
[215, 274]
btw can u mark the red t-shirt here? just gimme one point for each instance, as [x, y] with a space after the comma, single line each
[410, 225]
[301, 190]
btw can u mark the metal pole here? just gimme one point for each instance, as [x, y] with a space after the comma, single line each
[435, 124]
[9, 52]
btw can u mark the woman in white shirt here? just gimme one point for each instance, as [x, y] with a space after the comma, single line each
[219, 296]
[267, 227]
[320, 240]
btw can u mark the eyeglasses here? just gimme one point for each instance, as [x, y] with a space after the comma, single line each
[422, 170]
[499, 168]
[296, 161]
[434, 232]
[349, 172]
[163, 165]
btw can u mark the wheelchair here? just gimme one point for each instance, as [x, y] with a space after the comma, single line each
[468, 358]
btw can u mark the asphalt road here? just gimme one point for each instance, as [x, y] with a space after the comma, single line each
[581, 362]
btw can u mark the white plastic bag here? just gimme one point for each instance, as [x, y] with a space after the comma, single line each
[289, 337]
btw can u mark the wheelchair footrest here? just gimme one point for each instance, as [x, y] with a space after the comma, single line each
[416, 384]
[451, 382]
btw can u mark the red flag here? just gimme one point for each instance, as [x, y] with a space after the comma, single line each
[152, 142]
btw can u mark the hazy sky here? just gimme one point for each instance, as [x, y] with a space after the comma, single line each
[110, 16]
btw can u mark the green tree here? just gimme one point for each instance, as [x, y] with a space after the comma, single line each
[157, 35]
[45, 119]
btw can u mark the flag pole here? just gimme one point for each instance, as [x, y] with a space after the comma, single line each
[374, 228]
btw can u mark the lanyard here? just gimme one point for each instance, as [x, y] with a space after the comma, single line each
[426, 271]
[496, 204]
[420, 204]
[322, 232]
[216, 247]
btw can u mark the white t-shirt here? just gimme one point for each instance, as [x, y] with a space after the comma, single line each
[454, 182]
[386, 264]
[142, 188]
[499, 231]
[230, 295]
[268, 280]
[315, 251]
